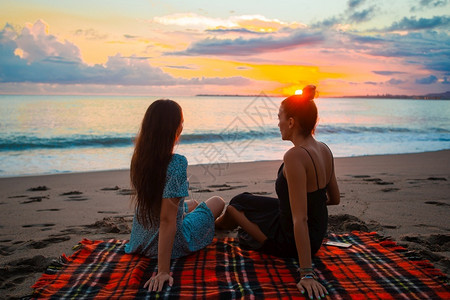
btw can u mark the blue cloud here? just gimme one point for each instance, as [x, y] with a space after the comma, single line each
[235, 30]
[355, 3]
[362, 16]
[427, 80]
[327, 23]
[366, 39]
[423, 4]
[420, 24]
[387, 72]
[244, 47]
[394, 81]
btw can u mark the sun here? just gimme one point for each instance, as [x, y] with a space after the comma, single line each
[298, 92]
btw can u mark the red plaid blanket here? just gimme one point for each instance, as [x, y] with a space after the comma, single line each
[370, 269]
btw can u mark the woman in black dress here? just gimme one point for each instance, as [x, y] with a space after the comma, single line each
[295, 223]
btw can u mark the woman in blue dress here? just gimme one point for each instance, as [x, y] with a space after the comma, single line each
[165, 226]
[295, 223]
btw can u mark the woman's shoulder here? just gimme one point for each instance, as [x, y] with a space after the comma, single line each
[178, 161]
[179, 157]
[294, 155]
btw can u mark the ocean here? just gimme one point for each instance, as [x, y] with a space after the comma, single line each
[61, 134]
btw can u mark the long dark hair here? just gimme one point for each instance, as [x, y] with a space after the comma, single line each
[303, 109]
[152, 153]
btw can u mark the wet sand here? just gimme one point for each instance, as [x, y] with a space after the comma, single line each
[402, 196]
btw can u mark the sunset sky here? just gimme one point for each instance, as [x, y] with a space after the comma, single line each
[164, 48]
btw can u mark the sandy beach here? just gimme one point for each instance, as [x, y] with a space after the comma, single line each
[403, 196]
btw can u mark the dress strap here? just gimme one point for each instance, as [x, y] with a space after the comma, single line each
[315, 170]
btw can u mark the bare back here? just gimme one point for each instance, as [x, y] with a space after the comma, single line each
[315, 156]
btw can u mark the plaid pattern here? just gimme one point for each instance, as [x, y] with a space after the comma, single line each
[370, 269]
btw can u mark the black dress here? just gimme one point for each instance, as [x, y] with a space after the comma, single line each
[274, 217]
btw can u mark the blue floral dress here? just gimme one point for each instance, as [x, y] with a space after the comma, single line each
[195, 230]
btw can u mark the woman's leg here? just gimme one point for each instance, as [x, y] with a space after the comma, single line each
[191, 204]
[216, 205]
[226, 221]
[233, 218]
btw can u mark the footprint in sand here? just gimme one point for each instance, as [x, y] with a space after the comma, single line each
[47, 242]
[378, 181]
[435, 242]
[49, 209]
[17, 271]
[76, 198]
[111, 225]
[390, 226]
[125, 192]
[34, 199]
[226, 187]
[4, 250]
[232, 188]
[437, 203]
[437, 178]
[39, 225]
[71, 193]
[39, 188]
[202, 191]
[390, 190]
[107, 212]
[218, 185]
[360, 176]
[110, 188]
[18, 196]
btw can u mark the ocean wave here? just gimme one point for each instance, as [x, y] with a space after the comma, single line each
[326, 129]
[24, 142]
[21, 143]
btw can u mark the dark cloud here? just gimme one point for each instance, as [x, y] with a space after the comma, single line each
[427, 80]
[420, 24]
[355, 3]
[243, 47]
[371, 82]
[387, 72]
[235, 30]
[327, 23]
[366, 39]
[362, 16]
[394, 81]
[433, 3]
[429, 4]
[442, 64]
[429, 49]
[445, 81]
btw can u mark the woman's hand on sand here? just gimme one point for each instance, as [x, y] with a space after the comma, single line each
[156, 283]
[312, 287]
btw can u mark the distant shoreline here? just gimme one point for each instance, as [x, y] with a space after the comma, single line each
[441, 96]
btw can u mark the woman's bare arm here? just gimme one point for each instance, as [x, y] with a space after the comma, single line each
[296, 178]
[167, 230]
[295, 172]
[334, 196]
